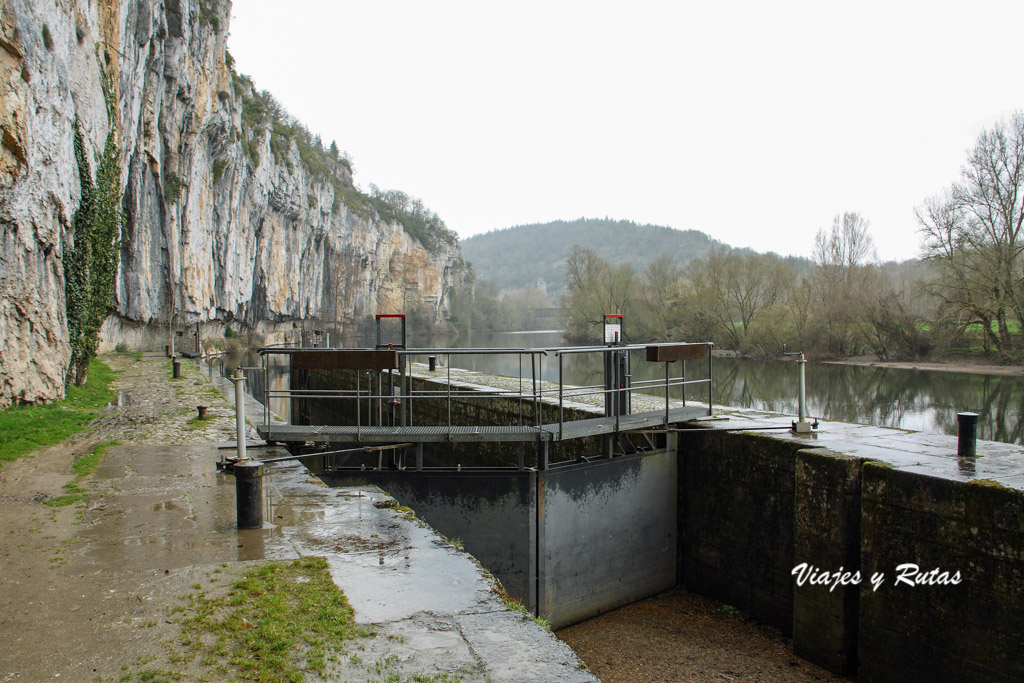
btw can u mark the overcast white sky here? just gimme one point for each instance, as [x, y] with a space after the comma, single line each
[756, 122]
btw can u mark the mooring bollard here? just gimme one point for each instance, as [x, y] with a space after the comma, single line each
[432, 360]
[202, 412]
[239, 380]
[967, 435]
[175, 368]
[249, 494]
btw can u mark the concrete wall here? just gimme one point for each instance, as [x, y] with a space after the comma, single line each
[970, 631]
[570, 542]
[753, 507]
[736, 501]
[492, 512]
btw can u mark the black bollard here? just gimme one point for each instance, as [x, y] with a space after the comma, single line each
[432, 360]
[167, 350]
[175, 368]
[967, 435]
[249, 494]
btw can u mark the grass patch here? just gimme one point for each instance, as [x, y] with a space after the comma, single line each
[24, 429]
[82, 468]
[277, 623]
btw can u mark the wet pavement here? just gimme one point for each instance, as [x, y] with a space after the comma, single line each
[933, 455]
[89, 592]
[433, 608]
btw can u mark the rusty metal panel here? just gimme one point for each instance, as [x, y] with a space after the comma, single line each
[673, 352]
[345, 359]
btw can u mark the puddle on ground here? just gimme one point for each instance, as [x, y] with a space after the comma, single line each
[168, 508]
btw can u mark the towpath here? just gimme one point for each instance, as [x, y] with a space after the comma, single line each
[99, 591]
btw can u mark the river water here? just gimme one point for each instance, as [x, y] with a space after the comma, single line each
[920, 400]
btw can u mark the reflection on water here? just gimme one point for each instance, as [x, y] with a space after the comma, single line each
[909, 399]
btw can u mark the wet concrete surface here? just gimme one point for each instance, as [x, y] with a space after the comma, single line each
[431, 605]
[933, 455]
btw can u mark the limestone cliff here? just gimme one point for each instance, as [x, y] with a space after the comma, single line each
[229, 218]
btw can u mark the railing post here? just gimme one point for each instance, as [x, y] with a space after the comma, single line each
[710, 383]
[561, 411]
[666, 392]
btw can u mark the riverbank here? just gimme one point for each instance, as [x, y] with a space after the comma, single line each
[959, 366]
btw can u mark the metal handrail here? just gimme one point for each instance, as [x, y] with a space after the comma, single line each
[400, 380]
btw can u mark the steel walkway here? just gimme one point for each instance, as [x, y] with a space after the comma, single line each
[442, 434]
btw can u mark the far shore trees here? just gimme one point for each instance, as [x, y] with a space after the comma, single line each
[974, 234]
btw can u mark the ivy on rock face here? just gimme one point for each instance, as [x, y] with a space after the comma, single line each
[91, 257]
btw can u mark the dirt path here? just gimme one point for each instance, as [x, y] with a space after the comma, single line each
[62, 612]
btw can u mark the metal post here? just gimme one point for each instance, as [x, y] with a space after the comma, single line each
[239, 380]
[561, 412]
[249, 494]
[802, 401]
[802, 426]
[710, 385]
[967, 435]
[666, 393]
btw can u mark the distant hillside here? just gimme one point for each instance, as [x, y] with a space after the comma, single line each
[522, 256]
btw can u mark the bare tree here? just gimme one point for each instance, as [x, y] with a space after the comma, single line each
[735, 290]
[840, 278]
[974, 232]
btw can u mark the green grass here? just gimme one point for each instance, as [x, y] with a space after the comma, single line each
[277, 623]
[82, 468]
[24, 429]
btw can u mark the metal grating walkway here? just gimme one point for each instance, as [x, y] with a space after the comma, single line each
[516, 433]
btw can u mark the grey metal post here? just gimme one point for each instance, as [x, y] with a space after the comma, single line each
[711, 389]
[967, 435]
[802, 426]
[802, 399]
[561, 410]
[666, 393]
[249, 494]
[239, 380]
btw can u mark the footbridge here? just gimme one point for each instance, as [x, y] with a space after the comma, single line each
[388, 396]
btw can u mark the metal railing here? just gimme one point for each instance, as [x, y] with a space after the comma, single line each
[403, 396]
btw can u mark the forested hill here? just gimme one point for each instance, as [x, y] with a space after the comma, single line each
[522, 256]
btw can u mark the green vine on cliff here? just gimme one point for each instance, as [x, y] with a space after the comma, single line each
[92, 255]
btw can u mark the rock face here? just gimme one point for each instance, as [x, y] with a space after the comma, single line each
[225, 222]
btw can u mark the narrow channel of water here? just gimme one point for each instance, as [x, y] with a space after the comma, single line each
[921, 400]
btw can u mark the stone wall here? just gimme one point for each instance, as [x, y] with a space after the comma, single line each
[753, 507]
[970, 631]
[736, 501]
